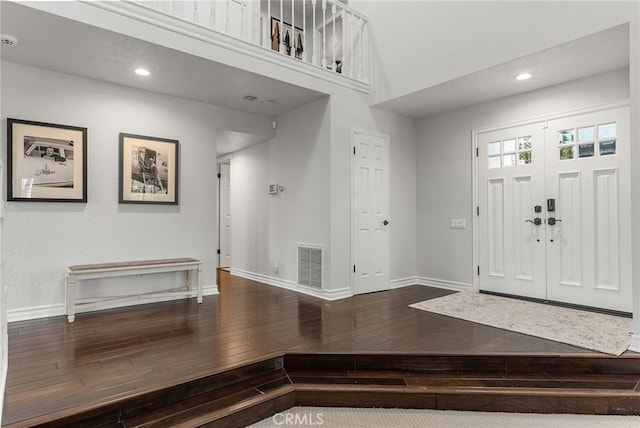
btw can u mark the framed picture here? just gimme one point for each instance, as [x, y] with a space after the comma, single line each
[47, 162]
[148, 170]
[282, 34]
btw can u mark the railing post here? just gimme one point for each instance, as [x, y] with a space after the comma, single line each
[333, 42]
[303, 57]
[360, 50]
[324, 34]
[314, 56]
[283, 47]
[344, 36]
[212, 17]
[351, 41]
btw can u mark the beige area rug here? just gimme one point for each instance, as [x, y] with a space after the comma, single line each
[348, 417]
[594, 331]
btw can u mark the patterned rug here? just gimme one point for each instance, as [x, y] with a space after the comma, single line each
[594, 331]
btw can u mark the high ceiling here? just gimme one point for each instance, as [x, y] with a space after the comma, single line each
[59, 44]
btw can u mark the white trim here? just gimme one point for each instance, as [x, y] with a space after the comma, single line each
[224, 41]
[474, 172]
[634, 344]
[441, 283]
[337, 294]
[59, 309]
[403, 282]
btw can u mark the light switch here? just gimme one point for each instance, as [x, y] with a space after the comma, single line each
[458, 223]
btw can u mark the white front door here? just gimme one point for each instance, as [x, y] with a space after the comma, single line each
[588, 176]
[370, 210]
[511, 232]
[573, 174]
[225, 216]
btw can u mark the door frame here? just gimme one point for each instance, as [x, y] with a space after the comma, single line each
[474, 173]
[219, 161]
[352, 202]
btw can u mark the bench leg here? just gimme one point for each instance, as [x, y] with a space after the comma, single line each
[71, 297]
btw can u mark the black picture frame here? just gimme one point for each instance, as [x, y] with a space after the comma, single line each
[148, 170]
[46, 162]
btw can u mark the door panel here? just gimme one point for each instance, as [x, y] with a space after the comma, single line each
[580, 253]
[225, 215]
[511, 184]
[371, 200]
[588, 171]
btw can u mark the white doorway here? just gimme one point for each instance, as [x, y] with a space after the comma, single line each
[370, 207]
[554, 210]
[224, 215]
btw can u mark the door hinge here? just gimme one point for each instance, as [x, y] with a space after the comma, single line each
[354, 268]
[219, 251]
[478, 269]
[354, 150]
[478, 210]
[477, 152]
[219, 175]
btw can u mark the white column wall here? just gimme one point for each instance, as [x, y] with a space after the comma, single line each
[444, 174]
[41, 239]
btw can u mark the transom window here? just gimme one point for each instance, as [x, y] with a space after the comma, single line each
[587, 141]
[510, 152]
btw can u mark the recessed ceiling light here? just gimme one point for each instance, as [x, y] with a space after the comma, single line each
[8, 40]
[142, 72]
[524, 76]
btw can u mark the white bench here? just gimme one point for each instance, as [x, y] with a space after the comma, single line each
[107, 270]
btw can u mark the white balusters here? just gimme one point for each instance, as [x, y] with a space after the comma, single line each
[324, 34]
[314, 57]
[342, 48]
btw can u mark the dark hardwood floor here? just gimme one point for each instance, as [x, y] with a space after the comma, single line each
[106, 355]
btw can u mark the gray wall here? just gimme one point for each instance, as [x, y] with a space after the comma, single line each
[444, 162]
[40, 239]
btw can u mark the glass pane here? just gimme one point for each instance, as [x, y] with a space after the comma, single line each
[494, 148]
[585, 151]
[608, 147]
[566, 153]
[494, 162]
[586, 134]
[509, 146]
[524, 158]
[524, 143]
[607, 130]
[509, 160]
[566, 136]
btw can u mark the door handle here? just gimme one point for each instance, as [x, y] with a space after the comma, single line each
[537, 221]
[552, 221]
[385, 222]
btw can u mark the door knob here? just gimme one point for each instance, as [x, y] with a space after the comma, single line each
[537, 221]
[385, 222]
[551, 221]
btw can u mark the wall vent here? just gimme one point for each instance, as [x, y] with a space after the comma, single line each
[310, 266]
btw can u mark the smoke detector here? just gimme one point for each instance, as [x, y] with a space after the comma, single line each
[8, 40]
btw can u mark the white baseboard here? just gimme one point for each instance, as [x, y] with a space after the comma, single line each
[634, 345]
[403, 282]
[59, 309]
[337, 294]
[440, 283]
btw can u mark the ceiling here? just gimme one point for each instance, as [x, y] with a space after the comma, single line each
[598, 53]
[59, 44]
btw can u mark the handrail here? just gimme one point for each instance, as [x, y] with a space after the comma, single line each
[327, 33]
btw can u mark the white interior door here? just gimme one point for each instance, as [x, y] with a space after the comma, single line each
[225, 215]
[370, 209]
[576, 170]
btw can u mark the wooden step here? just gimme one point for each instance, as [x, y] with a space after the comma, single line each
[580, 384]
